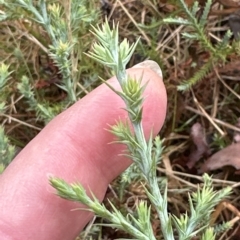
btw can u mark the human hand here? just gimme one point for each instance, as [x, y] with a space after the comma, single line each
[73, 146]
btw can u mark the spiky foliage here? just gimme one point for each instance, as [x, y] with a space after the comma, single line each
[64, 24]
[201, 204]
[7, 151]
[43, 110]
[4, 77]
[145, 155]
[196, 30]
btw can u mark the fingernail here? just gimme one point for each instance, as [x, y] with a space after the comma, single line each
[150, 64]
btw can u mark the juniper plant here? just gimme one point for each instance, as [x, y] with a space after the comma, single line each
[198, 31]
[4, 77]
[7, 151]
[43, 111]
[65, 24]
[145, 155]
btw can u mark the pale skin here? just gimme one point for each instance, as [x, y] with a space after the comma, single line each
[73, 146]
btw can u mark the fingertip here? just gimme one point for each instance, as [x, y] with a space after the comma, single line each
[74, 146]
[151, 65]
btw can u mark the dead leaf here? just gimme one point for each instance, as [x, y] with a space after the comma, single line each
[201, 146]
[229, 156]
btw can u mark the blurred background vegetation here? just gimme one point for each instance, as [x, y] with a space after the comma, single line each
[43, 70]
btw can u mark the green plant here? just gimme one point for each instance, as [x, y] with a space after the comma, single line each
[195, 30]
[146, 155]
[43, 111]
[64, 26]
[4, 77]
[219, 141]
[7, 151]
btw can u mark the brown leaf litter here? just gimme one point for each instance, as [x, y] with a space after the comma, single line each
[229, 156]
[201, 146]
